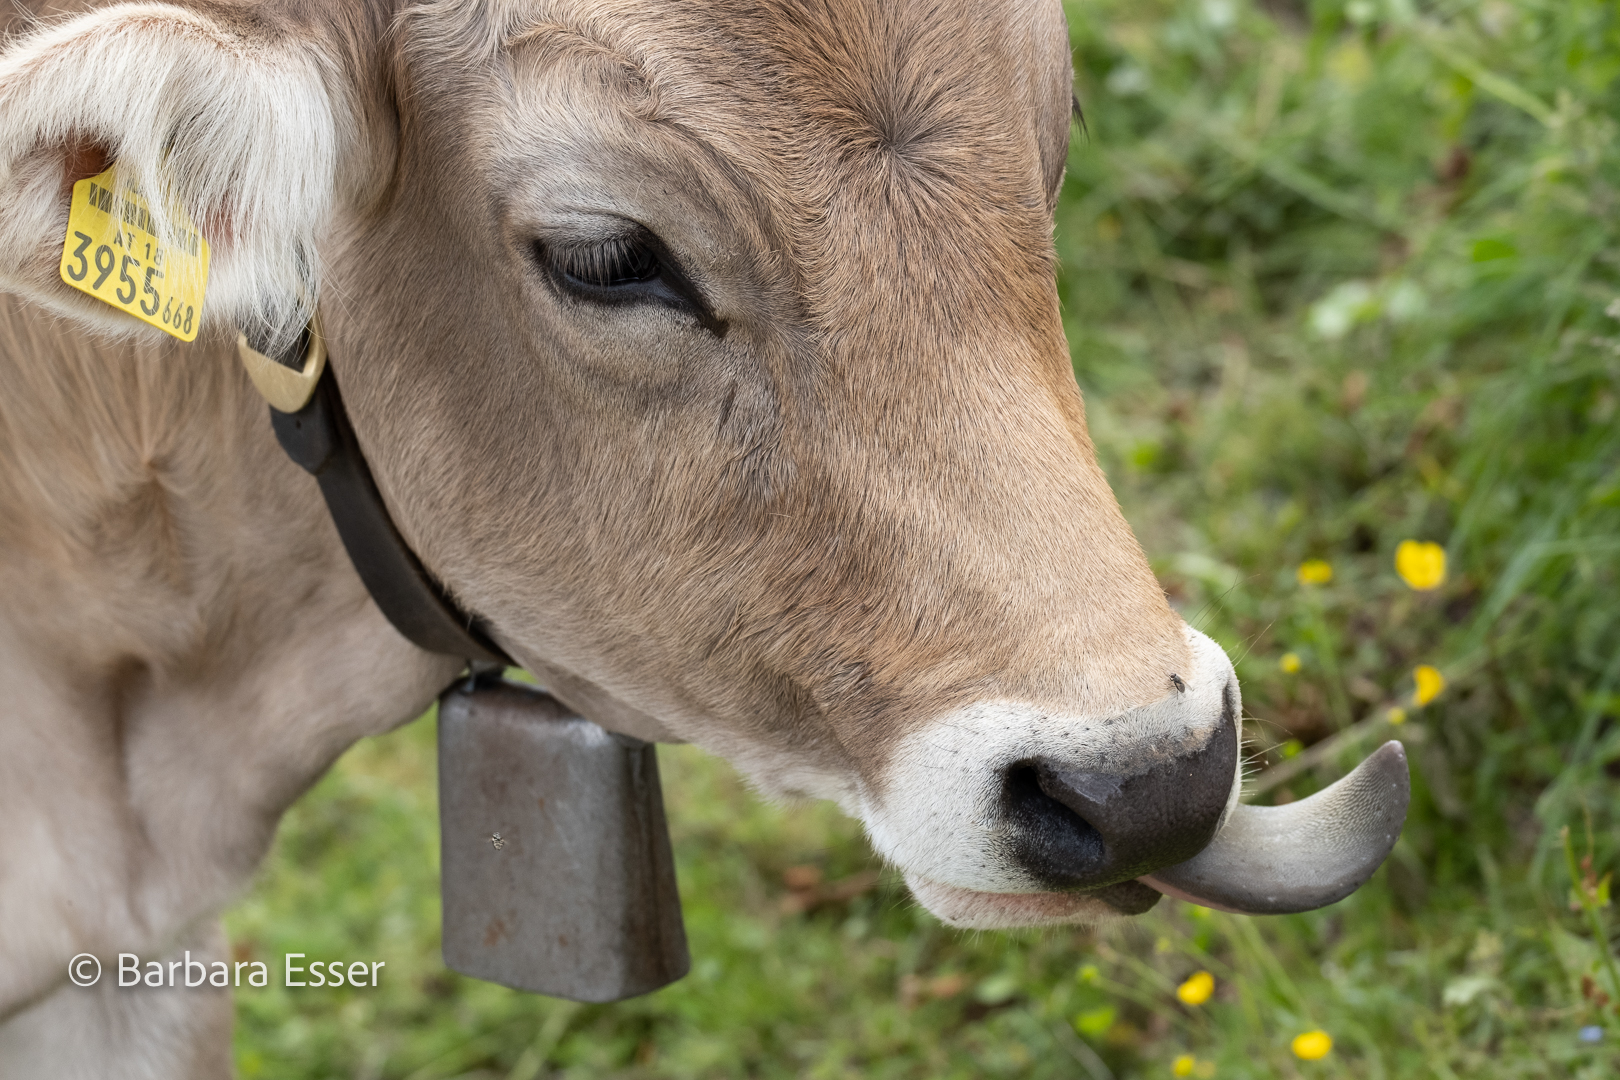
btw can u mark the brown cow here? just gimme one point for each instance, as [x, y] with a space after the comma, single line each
[708, 353]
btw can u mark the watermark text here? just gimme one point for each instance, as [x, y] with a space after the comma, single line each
[296, 970]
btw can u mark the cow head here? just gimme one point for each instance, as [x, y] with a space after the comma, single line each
[710, 353]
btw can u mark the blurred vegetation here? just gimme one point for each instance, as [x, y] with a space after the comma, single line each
[1336, 275]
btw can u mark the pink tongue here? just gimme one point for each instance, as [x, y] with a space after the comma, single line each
[1271, 860]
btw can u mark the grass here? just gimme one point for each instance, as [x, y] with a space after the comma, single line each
[1336, 275]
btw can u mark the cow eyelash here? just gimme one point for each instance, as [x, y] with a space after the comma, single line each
[630, 269]
[606, 265]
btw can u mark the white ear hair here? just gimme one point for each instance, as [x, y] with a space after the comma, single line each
[238, 128]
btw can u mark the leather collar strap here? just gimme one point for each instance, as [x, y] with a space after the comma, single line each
[318, 437]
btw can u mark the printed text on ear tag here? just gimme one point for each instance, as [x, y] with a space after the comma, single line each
[112, 251]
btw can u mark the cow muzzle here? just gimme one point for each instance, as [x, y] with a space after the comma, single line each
[1079, 827]
[1004, 815]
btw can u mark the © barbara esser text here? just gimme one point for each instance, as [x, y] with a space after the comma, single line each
[296, 970]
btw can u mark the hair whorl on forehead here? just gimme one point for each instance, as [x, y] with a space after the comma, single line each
[439, 42]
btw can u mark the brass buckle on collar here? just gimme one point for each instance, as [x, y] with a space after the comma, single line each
[286, 389]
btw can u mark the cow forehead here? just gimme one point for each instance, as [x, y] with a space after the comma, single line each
[845, 119]
[773, 81]
[844, 125]
[877, 60]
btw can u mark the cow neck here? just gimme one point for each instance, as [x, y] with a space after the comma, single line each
[318, 436]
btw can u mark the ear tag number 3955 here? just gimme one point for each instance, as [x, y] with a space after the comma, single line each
[113, 252]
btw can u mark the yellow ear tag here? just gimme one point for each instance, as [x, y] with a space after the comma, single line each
[112, 251]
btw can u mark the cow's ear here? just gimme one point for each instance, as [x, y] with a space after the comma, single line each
[232, 122]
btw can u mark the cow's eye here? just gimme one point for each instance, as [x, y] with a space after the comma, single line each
[606, 265]
[634, 268]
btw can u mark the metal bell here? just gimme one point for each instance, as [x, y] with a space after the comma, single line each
[555, 866]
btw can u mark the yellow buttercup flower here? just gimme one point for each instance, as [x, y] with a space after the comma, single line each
[1396, 715]
[1197, 989]
[1312, 1045]
[1289, 662]
[1314, 572]
[1183, 1065]
[1421, 564]
[1430, 683]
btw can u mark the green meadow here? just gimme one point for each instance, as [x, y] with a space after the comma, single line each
[1336, 275]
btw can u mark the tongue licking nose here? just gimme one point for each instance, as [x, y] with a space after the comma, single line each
[1270, 860]
[1005, 813]
[1087, 831]
[1086, 828]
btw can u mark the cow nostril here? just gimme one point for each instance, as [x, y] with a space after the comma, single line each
[1078, 828]
[1053, 842]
